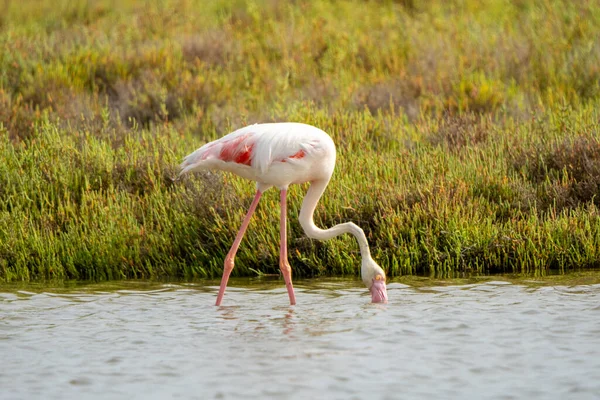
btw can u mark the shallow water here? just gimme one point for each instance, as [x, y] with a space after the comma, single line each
[489, 340]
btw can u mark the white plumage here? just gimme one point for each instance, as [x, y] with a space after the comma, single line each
[280, 154]
[276, 154]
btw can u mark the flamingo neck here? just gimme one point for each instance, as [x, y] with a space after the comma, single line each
[314, 193]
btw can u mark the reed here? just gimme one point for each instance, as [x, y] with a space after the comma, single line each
[467, 133]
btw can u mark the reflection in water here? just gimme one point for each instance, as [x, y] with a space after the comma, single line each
[288, 322]
[227, 312]
[478, 340]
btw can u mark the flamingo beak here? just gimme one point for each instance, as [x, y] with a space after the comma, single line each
[379, 290]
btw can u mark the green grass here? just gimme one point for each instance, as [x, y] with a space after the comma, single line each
[468, 134]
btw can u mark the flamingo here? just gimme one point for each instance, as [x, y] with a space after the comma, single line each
[278, 155]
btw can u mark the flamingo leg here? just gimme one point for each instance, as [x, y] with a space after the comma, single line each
[229, 260]
[284, 265]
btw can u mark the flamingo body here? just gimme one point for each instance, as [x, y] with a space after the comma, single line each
[277, 155]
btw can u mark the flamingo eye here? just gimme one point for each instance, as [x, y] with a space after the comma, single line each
[378, 278]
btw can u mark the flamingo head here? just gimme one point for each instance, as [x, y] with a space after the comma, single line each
[374, 278]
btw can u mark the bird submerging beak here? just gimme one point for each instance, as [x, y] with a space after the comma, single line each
[379, 290]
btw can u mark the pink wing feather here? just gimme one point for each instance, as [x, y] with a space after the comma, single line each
[235, 147]
[238, 150]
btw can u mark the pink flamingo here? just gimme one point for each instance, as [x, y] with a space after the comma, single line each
[280, 154]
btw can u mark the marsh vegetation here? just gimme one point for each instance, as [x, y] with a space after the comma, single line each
[468, 134]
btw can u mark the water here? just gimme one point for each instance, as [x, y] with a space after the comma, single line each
[490, 340]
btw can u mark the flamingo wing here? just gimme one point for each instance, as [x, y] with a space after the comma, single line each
[257, 146]
[237, 148]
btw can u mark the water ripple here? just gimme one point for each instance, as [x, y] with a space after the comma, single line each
[492, 340]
